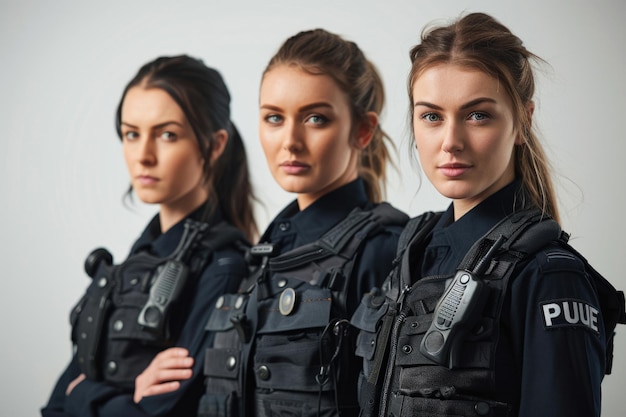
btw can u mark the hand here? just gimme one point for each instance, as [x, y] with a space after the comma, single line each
[73, 384]
[164, 373]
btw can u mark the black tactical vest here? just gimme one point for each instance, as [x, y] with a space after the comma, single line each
[123, 320]
[428, 346]
[280, 341]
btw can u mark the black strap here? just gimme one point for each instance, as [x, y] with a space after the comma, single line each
[211, 239]
[416, 232]
[527, 231]
[333, 242]
[524, 231]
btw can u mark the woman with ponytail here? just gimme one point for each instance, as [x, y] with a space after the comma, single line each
[183, 153]
[320, 103]
[498, 314]
[283, 344]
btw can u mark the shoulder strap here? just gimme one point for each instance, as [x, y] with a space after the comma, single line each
[416, 232]
[221, 235]
[209, 239]
[524, 233]
[333, 242]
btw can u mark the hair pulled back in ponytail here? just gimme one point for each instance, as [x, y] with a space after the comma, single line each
[480, 42]
[203, 97]
[321, 52]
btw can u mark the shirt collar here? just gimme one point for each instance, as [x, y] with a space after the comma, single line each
[292, 227]
[163, 244]
[460, 235]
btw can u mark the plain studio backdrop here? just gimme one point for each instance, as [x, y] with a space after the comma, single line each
[64, 65]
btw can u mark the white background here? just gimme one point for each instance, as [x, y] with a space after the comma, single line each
[63, 66]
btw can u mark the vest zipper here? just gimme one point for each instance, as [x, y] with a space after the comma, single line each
[393, 348]
[392, 351]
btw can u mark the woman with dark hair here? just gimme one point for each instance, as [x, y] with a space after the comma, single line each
[284, 346]
[183, 153]
[495, 314]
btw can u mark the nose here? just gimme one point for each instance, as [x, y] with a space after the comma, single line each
[293, 137]
[145, 151]
[453, 137]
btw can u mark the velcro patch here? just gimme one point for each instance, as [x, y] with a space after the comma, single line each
[570, 313]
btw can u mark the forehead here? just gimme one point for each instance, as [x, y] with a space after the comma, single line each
[151, 105]
[291, 84]
[453, 82]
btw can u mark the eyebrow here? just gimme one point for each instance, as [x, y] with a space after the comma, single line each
[159, 126]
[463, 107]
[301, 109]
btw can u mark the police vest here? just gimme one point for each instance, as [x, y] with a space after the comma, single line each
[124, 318]
[413, 333]
[280, 341]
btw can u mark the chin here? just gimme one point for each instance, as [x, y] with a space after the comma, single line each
[455, 191]
[291, 186]
[147, 199]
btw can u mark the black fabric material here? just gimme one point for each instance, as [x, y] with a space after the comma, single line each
[223, 273]
[522, 358]
[315, 258]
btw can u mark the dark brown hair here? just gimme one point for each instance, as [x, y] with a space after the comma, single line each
[479, 41]
[203, 97]
[321, 52]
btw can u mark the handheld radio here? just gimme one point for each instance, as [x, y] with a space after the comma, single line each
[457, 312]
[169, 280]
[168, 284]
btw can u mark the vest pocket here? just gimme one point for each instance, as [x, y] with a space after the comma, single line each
[367, 319]
[221, 369]
[215, 405]
[298, 307]
[401, 405]
[290, 362]
[301, 404]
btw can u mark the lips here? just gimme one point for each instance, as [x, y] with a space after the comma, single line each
[146, 179]
[294, 167]
[453, 170]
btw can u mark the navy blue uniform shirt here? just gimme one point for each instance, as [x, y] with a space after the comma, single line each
[546, 365]
[222, 274]
[293, 228]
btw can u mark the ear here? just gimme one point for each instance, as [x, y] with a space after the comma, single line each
[220, 138]
[365, 130]
[530, 109]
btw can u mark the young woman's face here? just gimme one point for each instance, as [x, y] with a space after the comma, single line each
[305, 128]
[464, 133]
[161, 151]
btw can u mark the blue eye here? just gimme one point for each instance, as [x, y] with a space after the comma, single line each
[478, 116]
[431, 117]
[317, 119]
[273, 119]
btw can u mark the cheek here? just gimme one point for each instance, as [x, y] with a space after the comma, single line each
[497, 144]
[425, 147]
[338, 151]
[189, 162]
